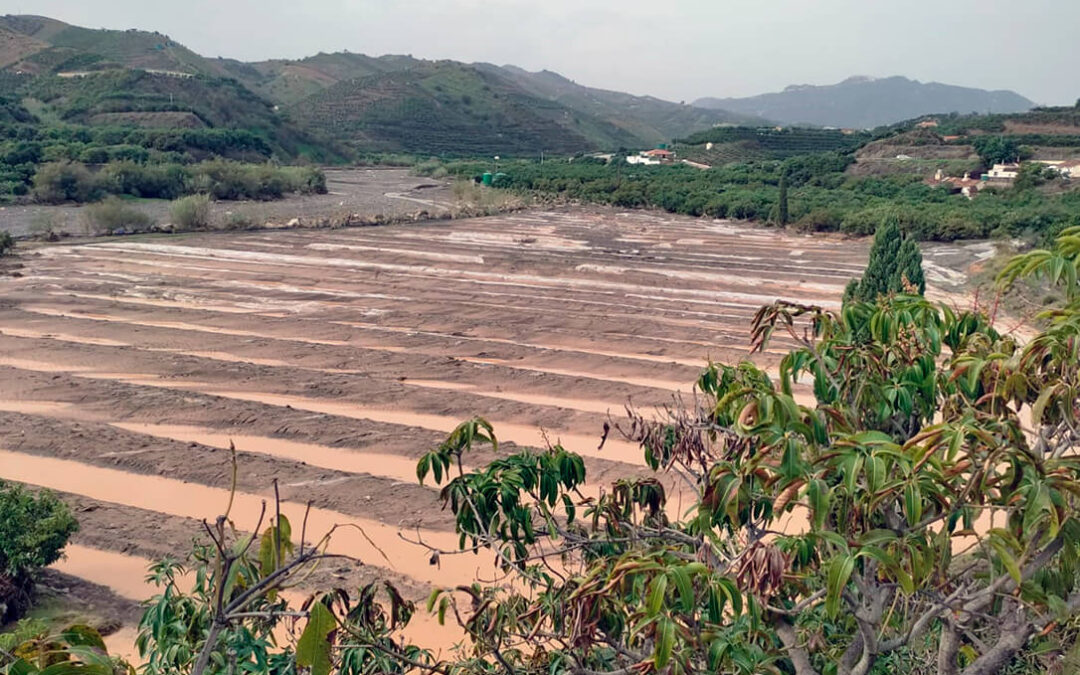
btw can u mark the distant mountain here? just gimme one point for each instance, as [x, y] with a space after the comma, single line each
[385, 103]
[866, 102]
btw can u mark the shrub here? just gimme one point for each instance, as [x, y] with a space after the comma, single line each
[158, 181]
[65, 181]
[7, 242]
[191, 212]
[34, 528]
[113, 214]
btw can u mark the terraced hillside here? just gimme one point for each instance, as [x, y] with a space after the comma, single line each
[334, 359]
[65, 47]
[450, 108]
[379, 103]
[725, 145]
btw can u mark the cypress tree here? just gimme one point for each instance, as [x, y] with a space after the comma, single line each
[909, 268]
[782, 207]
[893, 259]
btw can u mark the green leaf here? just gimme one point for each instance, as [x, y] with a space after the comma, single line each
[20, 667]
[444, 604]
[1007, 559]
[839, 572]
[877, 537]
[313, 648]
[655, 598]
[716, 653]
[834, 539]
[715, 607]
[422, 467]
[685, 587]
[913, 503]
[733, 595]
[433, 598]
[665, 641]
[819, 494]
[81, 635]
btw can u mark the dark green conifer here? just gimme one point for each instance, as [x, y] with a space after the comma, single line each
[894, 260]
[783, 205]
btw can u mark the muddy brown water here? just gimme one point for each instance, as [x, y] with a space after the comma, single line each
[355, 351]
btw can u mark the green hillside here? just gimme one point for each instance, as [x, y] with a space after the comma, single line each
[136, 98]
[450, 108]
[73, 48]
[959, 144]
[290, 81]
[726, 145]
[650, 119]
[313, 107]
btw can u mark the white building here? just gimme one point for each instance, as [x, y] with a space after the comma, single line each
[1003, 172]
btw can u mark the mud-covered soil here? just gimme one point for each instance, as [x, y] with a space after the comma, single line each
[333, 359]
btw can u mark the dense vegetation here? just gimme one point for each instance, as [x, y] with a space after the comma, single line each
[136, 98]
[71, 181]
[72, 162]
[821, 196]
[34, 528]
[901, 522]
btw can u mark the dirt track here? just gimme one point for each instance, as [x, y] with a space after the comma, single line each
[333, 359]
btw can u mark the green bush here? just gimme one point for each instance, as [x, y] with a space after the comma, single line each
[34, 528]
[65, 181]
[7, 242]
[151, 181]
[113, 214]
[191, 212]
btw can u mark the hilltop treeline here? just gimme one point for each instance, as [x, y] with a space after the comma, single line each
[822, 197]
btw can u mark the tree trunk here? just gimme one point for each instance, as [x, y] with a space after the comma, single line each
[800, 659]
[1013, 636]
[948, 648]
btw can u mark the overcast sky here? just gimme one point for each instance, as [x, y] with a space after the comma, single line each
[675, 49]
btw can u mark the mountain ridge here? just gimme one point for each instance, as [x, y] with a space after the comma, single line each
[866, 102]
[494, 107]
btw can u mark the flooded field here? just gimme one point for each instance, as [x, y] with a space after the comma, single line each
[334, 359]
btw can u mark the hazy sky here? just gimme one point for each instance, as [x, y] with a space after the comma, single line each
[675, 49]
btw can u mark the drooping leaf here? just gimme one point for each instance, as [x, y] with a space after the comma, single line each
[839, 572]
[313, 650]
